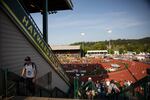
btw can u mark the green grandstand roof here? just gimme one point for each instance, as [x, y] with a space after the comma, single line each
[34, 6]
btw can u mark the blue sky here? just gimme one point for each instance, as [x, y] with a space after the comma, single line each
[128, 19]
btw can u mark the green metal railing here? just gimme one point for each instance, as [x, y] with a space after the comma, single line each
[13, 85]
[76, 87]
[27, 12]
[8, 86]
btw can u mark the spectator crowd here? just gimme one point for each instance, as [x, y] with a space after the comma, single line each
[100, 89]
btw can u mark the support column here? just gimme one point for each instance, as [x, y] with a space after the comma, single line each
[45, 20]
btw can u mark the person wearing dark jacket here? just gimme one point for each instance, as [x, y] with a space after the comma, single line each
[90, 88]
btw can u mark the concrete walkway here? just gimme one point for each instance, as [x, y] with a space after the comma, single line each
[37, 98]
[41, 98]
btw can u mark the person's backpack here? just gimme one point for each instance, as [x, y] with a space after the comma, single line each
[113, 89]
[34, 66]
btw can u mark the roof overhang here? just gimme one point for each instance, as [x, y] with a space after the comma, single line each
[34, 6]
[65, 47]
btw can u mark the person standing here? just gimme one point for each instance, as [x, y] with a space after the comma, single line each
[112, 88]
[90, 89]
[29, 71]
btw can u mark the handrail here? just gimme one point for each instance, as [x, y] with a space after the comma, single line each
[35, 25]
[18, 88]
[32, 20]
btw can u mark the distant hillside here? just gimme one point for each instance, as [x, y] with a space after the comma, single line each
[122, 45]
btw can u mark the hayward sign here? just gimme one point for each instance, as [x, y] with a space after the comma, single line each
[38, 39]
[30, 28]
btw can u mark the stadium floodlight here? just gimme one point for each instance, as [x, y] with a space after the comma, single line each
[82, 44]
[109, 30]
[82, 34]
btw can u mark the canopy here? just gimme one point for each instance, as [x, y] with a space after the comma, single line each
[34, 6]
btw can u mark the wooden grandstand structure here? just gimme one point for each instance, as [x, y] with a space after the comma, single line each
[67, 50]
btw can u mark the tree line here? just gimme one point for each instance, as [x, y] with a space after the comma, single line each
[121, 45]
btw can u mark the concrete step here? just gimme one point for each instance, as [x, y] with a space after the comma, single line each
[43, 98]
[36, 98]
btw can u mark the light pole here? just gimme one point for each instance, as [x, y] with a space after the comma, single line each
[82, 45]
[109, 46]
